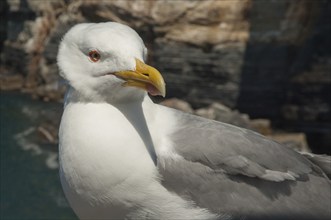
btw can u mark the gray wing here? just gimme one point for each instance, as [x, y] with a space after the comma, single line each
[236, 171]
[322, 161]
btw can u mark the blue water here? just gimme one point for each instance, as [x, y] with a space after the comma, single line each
[30, 185]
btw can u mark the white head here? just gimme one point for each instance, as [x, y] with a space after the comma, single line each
[105, 61]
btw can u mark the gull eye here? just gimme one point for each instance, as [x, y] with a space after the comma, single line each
[94, 55]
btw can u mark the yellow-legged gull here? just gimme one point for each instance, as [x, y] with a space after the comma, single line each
[124, 157]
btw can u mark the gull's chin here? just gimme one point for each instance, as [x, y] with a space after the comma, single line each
[104, 75]
[109, 74]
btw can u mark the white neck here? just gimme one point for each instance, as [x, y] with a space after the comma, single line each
[132, 110]
[122, 95]
[134, 113]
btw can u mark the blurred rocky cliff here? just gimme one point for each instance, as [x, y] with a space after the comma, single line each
[269, 59]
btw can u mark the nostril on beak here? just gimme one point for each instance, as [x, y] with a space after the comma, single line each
[145, 74]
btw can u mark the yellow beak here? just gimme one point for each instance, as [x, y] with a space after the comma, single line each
[145, 77]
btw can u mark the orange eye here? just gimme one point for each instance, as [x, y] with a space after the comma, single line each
[94, 56]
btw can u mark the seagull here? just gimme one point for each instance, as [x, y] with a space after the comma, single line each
[124, 157]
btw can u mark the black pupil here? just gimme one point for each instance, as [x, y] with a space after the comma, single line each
[95, 55]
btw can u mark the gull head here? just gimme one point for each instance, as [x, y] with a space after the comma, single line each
[105, 61]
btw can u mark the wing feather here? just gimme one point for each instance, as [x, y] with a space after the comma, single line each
[236, 150]
[230, 170]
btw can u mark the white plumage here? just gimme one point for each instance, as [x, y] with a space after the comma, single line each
[122, 156]
[106, 151]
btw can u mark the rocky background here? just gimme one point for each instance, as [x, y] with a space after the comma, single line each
[268, 59]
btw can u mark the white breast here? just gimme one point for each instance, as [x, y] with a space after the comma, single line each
[100, 154]
[106, 170]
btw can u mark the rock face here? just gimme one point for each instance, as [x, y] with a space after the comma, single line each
[191, 42]
[286, 73]
[270, 59]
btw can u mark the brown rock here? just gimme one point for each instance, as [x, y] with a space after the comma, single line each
[11, 82]
[220, 112]
[297, 141]
[203, 35]
[267, 58]
[206, 113]
[169, 12]
[178, 104]
[261, 125]
[210, 23]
